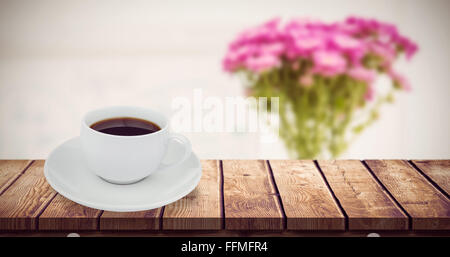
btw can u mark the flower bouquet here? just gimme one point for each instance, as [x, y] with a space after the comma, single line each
[323, 74]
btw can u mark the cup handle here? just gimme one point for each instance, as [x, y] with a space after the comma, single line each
[187, 150]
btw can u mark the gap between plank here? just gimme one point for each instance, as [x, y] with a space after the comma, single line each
[17, 177]
[428, 178]
[222, 197]
[280, 202]
[98, 219]
[333, 195]
[389, 194]
[161, 217]
[43, 209]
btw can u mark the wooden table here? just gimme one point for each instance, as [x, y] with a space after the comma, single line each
[250, 197]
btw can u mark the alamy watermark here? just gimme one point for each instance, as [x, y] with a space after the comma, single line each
[227, 114]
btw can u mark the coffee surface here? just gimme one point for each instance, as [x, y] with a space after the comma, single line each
[125, 126]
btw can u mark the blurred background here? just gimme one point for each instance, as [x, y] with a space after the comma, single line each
[62, 58]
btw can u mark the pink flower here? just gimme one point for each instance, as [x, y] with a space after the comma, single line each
[362, 74]
[385, 51]
[235, 58]
[297, 32]
[347, 28]
[345, 42]
[262, 63]
[399, 80]
[258, 34]
[306, 80]
[353, 48]
[356, 56]
[231, 62]
[229, 65]
[332, 48]
[408, 46]
[302, 23]
[304, 46]
[242, 52]
[273, 23]
[386, 33]
[275, 48]
[328, 63]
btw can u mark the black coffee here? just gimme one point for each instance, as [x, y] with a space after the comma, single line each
[125, 126]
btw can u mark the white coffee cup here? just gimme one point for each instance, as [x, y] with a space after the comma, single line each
[128, 159]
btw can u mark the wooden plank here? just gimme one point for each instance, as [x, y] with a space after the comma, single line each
[307, 201]
[10, 170]
[436, 170]
[141, 220]
[63, 214]
[25, 199]
[428, 208]
[202, 208]
[366, 204]
[250, 199]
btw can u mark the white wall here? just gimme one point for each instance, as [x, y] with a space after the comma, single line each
[59, 59]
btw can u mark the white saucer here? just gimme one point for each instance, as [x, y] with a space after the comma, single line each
[66, 172]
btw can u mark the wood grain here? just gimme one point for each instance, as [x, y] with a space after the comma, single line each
[366, 204]
[63, 214]
[307, 201]
[23, 201]
[436, 170]
[10, 170]
[202, 208]
[250, 199]
[428, 208]
[141, 220]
